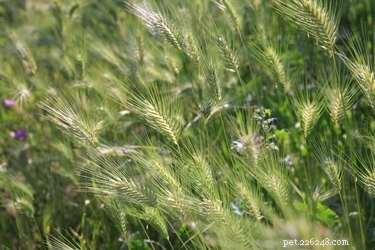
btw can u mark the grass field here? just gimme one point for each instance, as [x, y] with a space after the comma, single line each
[164, 124]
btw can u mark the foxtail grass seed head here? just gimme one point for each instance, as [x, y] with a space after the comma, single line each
[334, 174]
[310, 113]
[366, 81]
[157, 24]
[336, 106]
[228, 55]
[278, 67]
[320, 19]
[227, 7]
[250, 201]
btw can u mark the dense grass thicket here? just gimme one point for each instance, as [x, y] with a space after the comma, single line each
[164, 124]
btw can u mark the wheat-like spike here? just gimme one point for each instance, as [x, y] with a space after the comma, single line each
[24, 205]
[118, 210]
[279, 190]
[17, 188]
[237, 234]
[205, 168]
[23, 93]
[157, 24]
[337, 104]
[233, 15]
[153, 108]
[310, 113]
[201, 174]
[333, 169]
[213, 209]
[248, 142]
[73, 121]
[253, 150]
[169, 32]
[364, 172]
[324, 18]
[165, 174]
[367, 179]
[126, 187]
[339, 92]
[227, 6]
[317, 18]
[271, 176]
[250, 200]
[195, 170]
[179, 202]
[268, 55]
[278, 67]
[25, 55]
[191, 49]
[21, 194]
[369, 141]
[334, 173]
[228, 55]
[361, 66]
[174, 66]
[153, 216]
[214, 83]
[111, 179]
[247, 146]
[365, 78]
[122, 221]
[161, 121]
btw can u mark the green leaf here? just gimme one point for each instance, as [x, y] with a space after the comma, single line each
[323, 213]
[281, 134]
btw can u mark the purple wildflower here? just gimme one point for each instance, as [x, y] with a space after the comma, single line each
[8, 102]
[20, 134]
